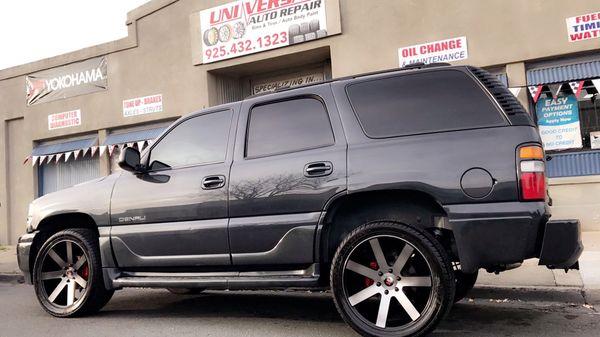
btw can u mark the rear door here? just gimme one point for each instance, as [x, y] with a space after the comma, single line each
[290, 160]
[175, 215]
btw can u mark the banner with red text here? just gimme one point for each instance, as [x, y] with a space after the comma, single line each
[142, 105]
[449, 50]
[65, 119]
[250, 26]
[584, 27]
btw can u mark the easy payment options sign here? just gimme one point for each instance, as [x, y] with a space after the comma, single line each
[558, 120]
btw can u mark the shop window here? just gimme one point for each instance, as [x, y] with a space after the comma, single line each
[55, 176]
[420, 103]
[288, 126]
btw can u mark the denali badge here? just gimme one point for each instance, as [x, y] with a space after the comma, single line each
[132, 218]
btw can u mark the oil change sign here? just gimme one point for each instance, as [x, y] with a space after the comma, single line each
[74, 79]
[584, 27]
[250, 26]
[449, 50]
[558, 120]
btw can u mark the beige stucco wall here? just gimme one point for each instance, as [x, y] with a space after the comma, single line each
[158, 57]
[577, 198]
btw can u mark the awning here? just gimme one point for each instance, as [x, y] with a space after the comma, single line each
[565, 73]
[63, 151]
[133, 137]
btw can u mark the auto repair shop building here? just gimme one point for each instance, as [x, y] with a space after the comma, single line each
[63, 120]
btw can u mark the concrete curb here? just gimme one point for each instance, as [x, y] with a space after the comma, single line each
[12, 278]
[531, 294]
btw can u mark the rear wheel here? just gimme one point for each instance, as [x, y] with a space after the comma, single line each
[389, 279]
[67, 274]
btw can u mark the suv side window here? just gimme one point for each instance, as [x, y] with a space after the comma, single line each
[288, 126]
[198, 140]
[421, 103]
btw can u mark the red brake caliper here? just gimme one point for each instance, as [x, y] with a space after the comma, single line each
[85, 271]
[368, 281]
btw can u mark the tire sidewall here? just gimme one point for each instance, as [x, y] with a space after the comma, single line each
[442, 294]
[37, 270]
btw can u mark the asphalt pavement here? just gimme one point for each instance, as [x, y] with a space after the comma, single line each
[156, 312]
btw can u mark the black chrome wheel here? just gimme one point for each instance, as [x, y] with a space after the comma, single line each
[67, 274]
[390, 279]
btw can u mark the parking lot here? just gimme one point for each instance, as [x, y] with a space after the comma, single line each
[145, 312]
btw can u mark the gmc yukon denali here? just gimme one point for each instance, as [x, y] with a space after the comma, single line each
[393, 189]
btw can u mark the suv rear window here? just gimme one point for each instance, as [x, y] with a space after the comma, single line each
[422, 103]
[288, 126]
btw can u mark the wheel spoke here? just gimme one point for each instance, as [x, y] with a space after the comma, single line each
[69, 252]
[382, 314]
[363, 294]
[52, 275]
[70, 293]
[57, 290]
[381, 261]
[82, 283]
[416, 281]
[79, 262]
[61, 263]
[402, 258]
[362, 270]
[407, 305]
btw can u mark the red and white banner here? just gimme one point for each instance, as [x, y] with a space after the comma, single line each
[576, 87]
[249, 26]
[142, 105]
[65, 119]
[584, 27]
[454, 49]
[535, 91]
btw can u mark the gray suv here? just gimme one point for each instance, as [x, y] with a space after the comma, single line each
[391, 188]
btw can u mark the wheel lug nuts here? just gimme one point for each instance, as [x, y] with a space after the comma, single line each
[398, 278]
[390, 270]
[387, 292]
[379, 284]
[380, 273]
[396, 289]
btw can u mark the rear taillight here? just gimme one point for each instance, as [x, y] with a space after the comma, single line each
[532, 175]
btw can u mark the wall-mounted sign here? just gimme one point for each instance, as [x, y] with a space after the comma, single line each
[65, 119]
[584, 27]
[293, 81]
[142, 105]
[558, 120]
[250, 26]
[449, 50]
[67, 81]
[595, 140]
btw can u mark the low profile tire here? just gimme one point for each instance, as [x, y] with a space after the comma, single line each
[390, 279]
[185, 291]
[464, 283]
[67, 274]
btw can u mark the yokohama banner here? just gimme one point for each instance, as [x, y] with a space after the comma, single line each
[67, 81]
[249, 26]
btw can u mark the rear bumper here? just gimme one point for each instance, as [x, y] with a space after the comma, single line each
[496, 235]
[23, 249]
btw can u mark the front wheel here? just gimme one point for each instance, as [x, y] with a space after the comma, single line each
[67, 274]
[389, 279]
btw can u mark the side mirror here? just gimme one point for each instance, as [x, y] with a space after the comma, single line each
[129, 160]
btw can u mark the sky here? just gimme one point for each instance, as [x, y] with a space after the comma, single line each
[31, 30]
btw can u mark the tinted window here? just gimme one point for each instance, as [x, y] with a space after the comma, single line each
[419, 103]
[288, 126]
[198, 140]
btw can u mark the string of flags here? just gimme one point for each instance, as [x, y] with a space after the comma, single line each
[555, 88]
[80, 153]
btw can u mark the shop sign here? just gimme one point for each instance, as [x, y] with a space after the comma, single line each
[558, 120]
[67, 81]
[595, 140]
[449, 50]
[142, 105]
[250, 26]
[583, 27]
[65, 119]
[287, 83]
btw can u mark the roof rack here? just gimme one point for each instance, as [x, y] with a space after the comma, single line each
[421, 65]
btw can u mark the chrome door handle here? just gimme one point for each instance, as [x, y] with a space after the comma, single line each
[213, 182]
[318, 169]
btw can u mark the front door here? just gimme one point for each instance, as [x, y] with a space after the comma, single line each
[175, 215]
[290, 160]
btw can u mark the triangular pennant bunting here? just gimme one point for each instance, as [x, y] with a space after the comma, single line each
[111, 148]
[34, 160]
[596, 83]
[42, 159]
[50, 157]
[130, 144]
[102, 149]
[67, 155]
[76, 154]
[554, 89]
[58, 157]
[85, 151]
[515, 91]
[94, 149]
[535, 91]
[140, 145]
[576, 87]
[26, 159]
